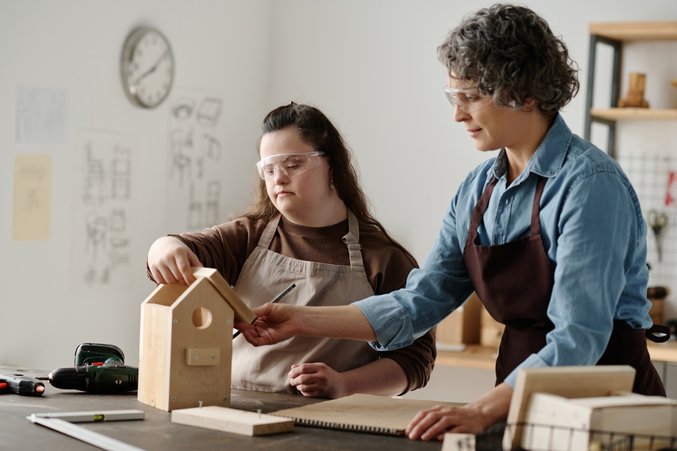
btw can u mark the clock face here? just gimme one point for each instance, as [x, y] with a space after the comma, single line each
[147, 67]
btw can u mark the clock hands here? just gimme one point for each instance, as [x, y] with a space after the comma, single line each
[153, 68]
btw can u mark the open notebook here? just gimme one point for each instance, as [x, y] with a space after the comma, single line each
[361, 413]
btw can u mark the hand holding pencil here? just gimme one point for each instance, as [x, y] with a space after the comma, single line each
[277, 298]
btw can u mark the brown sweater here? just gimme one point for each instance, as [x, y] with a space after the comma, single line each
[227, 246]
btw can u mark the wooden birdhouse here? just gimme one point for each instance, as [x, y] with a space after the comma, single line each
[186, 342]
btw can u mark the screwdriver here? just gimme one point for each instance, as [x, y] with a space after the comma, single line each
[21, 385]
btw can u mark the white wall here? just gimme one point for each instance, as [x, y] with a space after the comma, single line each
[220, 47]
[371, 66]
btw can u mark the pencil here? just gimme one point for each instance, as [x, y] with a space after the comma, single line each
[278, 298]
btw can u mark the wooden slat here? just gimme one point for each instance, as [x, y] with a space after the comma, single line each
[635, 31]
[232, 420]
[633, 113]
[242, 311]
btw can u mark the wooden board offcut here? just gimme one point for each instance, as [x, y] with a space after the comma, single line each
[566, 381]
[242, 311]
[232, 420]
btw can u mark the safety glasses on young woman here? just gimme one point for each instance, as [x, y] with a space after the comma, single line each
[289, 164]
[467, 100]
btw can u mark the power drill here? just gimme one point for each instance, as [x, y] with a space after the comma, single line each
[99, 368]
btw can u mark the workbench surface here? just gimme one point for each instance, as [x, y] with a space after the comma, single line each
[476, 356]
[157, 431]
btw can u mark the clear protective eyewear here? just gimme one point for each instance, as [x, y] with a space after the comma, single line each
[467, 100]
[289, 164]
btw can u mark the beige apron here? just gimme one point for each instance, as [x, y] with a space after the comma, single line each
[264, 275]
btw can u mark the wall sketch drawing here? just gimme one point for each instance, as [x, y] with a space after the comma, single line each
[209, 112]
[196, 162]
[102, 244]
[32, 197]
[41, 116]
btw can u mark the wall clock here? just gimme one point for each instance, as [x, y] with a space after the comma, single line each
[147, 67]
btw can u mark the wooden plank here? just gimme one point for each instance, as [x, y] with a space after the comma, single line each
[566, 381]
[232, 420]
[664, 352]
[613, 114]
[242, 311]
[154, 348]
[473, 356]
[635, 31]
[199, 320]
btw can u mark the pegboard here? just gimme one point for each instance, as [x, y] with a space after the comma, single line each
[655, 180]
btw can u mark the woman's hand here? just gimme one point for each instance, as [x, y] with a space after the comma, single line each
[171, 261]
[274, 323]
[431, 424]
[317, 380]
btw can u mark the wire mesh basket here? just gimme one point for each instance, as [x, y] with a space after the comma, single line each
[538, 437]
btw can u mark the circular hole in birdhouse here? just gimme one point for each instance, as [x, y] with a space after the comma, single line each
[202, 318]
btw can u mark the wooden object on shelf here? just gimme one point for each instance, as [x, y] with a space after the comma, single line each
[656, 310]
[462, 326]
[232, 420]
[491, 330]
[579, 423]
[566, 381]
[635, 96]
[185, 347]
[657, 295]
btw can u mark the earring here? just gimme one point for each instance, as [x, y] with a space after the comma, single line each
[331, 183]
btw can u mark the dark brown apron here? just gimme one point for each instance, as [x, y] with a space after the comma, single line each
[514, 281]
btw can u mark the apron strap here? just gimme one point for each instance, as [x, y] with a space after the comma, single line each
[268, 233]
[478, 212]
[535, 209]
[352, 242]
[658, 333]
[351, 239]
[482, 204]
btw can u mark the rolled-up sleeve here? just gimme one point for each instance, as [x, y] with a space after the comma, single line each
[431, 293]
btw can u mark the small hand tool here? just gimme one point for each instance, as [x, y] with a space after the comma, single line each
[658, 221]
[21, 385]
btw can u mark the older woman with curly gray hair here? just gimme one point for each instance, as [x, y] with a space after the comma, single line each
[528, 230]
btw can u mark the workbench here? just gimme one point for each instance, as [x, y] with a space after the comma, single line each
[476, 356]
[663, 355]
[157, 431]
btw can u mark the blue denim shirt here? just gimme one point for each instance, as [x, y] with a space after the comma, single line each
[592, 230]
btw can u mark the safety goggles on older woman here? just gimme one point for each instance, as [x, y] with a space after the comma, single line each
[467, 100]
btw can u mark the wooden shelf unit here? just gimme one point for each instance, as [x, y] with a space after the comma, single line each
[614, 34]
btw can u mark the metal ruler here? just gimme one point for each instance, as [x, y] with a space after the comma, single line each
[63, 422]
